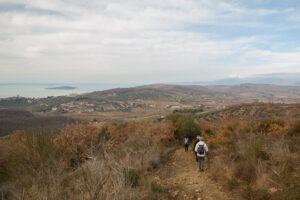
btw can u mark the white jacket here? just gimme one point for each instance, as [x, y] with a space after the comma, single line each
[205, 148]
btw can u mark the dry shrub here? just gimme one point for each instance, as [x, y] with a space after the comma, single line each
[121, 172]
[132, 177]
[32, 167]
[295, 129]
[83, 162]
[245, 172]
[98, 178]
[258, 166]
[250, 193]
[272, 126]
[79, 141]
[163, 131]
[232, 183]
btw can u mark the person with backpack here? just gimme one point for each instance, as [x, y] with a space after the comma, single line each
[201, 149]
[186, 144]
[196, 141]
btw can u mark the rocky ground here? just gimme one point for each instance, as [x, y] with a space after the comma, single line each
[181, 179]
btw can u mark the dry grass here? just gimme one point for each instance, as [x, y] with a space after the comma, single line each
[256, 165]
[83, 162]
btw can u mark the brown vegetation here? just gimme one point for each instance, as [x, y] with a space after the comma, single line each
[84, 162]
[254, 154]
[257, 159]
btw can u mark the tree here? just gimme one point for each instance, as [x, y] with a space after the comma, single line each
[185, 126]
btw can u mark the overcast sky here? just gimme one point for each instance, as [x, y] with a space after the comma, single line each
[146, 41]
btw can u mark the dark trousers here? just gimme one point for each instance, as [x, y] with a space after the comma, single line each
[201, 162]
[196, 156]
[186, 147]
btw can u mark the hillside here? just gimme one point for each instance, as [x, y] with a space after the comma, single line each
[253, 111]
[15, 119]
[127, 94]
[175, 93]
[254, 92]
[247, 159]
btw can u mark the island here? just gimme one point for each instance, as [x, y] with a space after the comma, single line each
[62, 88]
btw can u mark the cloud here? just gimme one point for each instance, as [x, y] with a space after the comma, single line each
[235, 76]
[136, 41]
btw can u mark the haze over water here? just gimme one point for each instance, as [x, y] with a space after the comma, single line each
[39, 89]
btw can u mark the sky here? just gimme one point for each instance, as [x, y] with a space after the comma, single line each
[147, 41]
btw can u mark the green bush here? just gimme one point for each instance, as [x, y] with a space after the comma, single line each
[227, 134]
[155, 188]
[132, 177]
[186, 126]
[209, 132]
[189, 110]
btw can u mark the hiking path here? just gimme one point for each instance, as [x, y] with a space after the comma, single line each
[181, 179]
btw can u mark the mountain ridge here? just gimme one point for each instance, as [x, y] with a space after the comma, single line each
[288, 79]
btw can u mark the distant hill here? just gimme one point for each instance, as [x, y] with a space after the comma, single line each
[159, 97]
[241, 93]
[62, 88]
[195, 94]
[126, 94]
[274, 79]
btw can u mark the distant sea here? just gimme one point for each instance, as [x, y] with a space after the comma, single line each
[39, 89]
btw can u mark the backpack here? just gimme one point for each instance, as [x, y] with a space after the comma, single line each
[201, 149]
[186, 140]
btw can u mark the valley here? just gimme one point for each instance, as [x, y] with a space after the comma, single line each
[158, 98]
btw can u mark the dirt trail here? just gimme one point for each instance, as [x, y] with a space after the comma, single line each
[181, 179]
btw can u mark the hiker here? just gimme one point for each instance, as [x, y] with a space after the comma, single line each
[197, 140]
[186, 144]
[201, 149]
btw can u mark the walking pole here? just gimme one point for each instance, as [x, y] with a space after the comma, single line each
[208, 161]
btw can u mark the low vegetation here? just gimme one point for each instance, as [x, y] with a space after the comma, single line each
[257, 160]
[112, 161]
[254, 156]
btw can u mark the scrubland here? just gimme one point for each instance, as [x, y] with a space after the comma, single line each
[84, 162]
[256, 160]
[254, 154]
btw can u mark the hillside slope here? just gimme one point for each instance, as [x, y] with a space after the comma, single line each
[16, 119]
[222, 94]
[253, 111]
